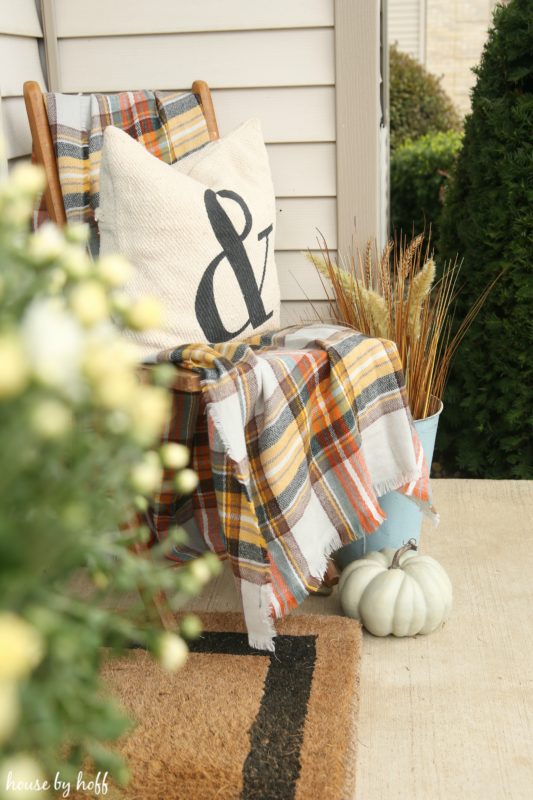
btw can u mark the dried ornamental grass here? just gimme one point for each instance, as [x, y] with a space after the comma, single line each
[395, 295]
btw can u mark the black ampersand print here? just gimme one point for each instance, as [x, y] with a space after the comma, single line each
[234, 251]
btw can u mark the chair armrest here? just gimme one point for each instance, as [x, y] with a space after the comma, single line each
[185, 380]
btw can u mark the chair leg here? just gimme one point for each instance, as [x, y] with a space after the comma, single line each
[331, 578]
[158, 609]
[181, 429]
[155, 603]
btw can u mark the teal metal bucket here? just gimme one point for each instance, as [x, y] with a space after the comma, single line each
[404, 518]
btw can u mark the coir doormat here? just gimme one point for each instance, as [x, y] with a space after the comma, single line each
[239, 723]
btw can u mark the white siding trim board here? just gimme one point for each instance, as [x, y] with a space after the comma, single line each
[357, 30]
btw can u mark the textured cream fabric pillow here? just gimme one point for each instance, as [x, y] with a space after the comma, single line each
[199, 233]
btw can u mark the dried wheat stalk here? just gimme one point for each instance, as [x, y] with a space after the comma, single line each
[394, 295]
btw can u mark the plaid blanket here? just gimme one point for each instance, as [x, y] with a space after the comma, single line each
[303, 430]
[170, 125]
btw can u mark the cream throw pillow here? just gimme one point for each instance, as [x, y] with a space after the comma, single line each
[199, 233]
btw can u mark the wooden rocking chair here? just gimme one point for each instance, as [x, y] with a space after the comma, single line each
[186, 382]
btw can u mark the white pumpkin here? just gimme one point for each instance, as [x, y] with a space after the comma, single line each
[396, 592]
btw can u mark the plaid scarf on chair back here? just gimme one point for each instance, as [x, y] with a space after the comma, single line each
[170, 125]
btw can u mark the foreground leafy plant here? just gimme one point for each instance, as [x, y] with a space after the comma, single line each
[78, 430]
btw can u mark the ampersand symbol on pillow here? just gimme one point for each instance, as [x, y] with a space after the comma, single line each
[234, 251]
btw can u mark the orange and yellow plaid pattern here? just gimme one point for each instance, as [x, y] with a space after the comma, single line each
[295, 437]
[170, 125]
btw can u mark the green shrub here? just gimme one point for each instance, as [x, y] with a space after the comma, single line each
[419, 174]
[488, 220]
[418, 103]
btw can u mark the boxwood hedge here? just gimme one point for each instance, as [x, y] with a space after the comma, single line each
[486, 429]
[418, 103]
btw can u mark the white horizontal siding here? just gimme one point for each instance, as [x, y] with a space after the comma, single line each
[77, 18]
[274, 61]
[20, 35]
[291, 114]
[302, 170]
[405, 22]
[298, 220]
[298, 278]
[20, 18]
[19, 62]
[16, 131]
[294, 312]
[224, 60]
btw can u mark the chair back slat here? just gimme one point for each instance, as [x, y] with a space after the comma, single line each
[203, 93]
[43, 152]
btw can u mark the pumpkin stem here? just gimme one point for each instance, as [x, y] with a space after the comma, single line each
[411, 545]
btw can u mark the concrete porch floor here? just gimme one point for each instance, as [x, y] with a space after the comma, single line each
[449, 716]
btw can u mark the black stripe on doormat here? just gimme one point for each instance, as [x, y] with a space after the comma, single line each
[272, 767]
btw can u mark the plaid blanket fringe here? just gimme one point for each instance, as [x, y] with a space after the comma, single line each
[296, 435]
